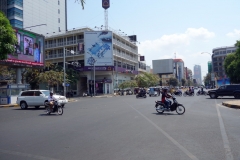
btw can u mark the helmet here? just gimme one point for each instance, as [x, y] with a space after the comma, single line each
[165, 89]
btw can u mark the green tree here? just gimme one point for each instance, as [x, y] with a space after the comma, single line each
[183, 82]
[147, 80]
[207, 79]
[173, 81]
[8, 39]
[232, 65]
[128, 84]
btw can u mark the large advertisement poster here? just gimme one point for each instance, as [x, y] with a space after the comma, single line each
[98, 48]
[223, 81]
[28, 50]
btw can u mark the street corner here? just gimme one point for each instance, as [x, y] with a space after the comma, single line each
[232, 104]
[8, 105]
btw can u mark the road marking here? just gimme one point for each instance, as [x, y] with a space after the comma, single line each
[228, 153]
[25, 155]
[190, 155]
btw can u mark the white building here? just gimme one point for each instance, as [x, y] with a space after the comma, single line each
[107, 77]
[39, 16]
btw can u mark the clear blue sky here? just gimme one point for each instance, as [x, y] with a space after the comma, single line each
[165, 27]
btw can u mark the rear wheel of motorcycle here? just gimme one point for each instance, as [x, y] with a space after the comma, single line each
[136, 96]
[184, 94]
[180, 94]
[158, 108]
[197, 94]
[145, 96]
[205, 93]
[60, 111]
[180, 109]
[48, 110]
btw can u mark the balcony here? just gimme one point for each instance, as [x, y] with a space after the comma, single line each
[60, 55]
[61, 44]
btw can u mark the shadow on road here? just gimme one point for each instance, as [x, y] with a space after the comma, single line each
[52, 114]
[222, 98]
[29, 109]
[166, 114]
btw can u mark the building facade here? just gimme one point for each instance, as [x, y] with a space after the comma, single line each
[107, 78]
[218, 57]
[197, 74]
[179, 69]
[41, 16]
[3, 6]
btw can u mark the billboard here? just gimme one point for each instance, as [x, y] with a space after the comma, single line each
[98, 48]
[162, 66]
[223, 81]
[28, 50]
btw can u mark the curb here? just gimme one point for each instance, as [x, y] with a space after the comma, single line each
[231, 105]
[8, 106]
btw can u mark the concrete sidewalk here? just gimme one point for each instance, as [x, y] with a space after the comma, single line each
[232, 104]
[8, 105]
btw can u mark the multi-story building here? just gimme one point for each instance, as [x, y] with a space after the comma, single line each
[218, 57]
[179, 69]
[107, 78]
[39, 16]
[197, 74]
[3, 6]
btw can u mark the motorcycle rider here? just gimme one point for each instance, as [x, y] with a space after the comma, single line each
[51, 100]
[201, 90]
[189, 90]
[164, 98]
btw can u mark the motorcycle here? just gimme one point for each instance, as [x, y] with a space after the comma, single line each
[57, 107]
[177, 93]
[201, 93]
[175, 106]
[141, 95]
[186, 93]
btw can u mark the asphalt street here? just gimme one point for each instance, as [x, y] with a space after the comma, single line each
[122, 128]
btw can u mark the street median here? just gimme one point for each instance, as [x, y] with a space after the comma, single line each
[232, 104]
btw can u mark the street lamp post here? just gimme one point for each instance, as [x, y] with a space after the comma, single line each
[92, 63]
[64, 69]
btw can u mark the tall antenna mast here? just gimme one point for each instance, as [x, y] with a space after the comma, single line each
[106, 19]
[106, 5]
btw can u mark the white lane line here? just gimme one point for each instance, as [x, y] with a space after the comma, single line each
[25, 155]
[228, 153]
[190, 155]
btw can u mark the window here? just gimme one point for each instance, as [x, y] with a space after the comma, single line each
[37, 93]
[59, 30]
[58, 11]
[15, 2]
[58, 20]
[15, 12]
[16, 23]
[27, 93]
[58, 2]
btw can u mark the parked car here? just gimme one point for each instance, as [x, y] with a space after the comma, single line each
[225, 90]
[36, 98]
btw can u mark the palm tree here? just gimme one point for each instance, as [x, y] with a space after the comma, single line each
[82, 2]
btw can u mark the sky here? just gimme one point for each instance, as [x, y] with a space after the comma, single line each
[165, 28]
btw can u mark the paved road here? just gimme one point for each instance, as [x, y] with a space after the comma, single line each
[122, 128]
